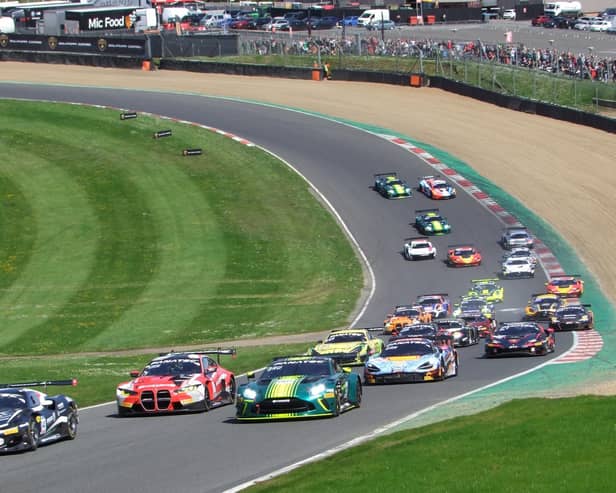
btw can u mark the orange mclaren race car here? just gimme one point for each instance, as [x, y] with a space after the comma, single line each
[403, 315]
[463, 256]
[436, 188]
[566, 286]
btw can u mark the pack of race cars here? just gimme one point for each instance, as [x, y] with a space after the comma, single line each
[417, 342]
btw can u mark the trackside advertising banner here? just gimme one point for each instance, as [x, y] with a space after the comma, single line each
[102, 20]
[135, 47]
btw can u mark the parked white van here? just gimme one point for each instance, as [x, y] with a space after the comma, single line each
[372, 16]
[7, 25]
[174, 13]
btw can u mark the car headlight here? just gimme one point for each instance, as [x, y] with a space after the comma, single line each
[427, 365]
[188, 388]
[249, 393]
[125, 392]
[429, 227]
[584, 318]
[390, 191]
[356, 350]
[317, 390]
[372, 368]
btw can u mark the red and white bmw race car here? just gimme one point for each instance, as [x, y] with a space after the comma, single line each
[178, 381]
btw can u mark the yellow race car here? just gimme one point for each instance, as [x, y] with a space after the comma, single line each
[349, 346]
[488, 289]
[543, 306]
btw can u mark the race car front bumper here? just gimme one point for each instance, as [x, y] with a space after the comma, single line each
[401, 377]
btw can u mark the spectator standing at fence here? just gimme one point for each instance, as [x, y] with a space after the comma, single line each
[327, 72]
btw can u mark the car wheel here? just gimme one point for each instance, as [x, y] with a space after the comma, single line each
[231, 391]
[358, 394]
[33, 435]
[336, 410]
[456, 368]
[207, 404]
[70, 429]
[122, 411]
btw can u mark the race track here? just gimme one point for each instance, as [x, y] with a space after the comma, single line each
[209, 452]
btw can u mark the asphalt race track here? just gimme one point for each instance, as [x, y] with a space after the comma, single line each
[209, 452]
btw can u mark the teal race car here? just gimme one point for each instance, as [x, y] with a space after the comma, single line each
[390, 186]
[293, 387]
[430, 222]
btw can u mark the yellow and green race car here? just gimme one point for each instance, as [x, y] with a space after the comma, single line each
[488, 289]
[349, 346]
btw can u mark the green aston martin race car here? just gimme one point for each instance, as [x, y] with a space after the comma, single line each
[430, 222]
[294, 387]
[488, 289]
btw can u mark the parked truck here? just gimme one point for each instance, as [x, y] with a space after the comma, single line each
[563, 9]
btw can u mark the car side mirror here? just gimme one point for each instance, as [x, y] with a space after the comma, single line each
[346, 369]
[48, 403]
[319, 342]
[250, 375]
[134, 373]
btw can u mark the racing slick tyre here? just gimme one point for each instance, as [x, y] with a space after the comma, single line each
[456, 368]
[358, 395]
[70, 428]
[207, 405]
[337, 405]
[122, 411]
[33, 437]
[231, 391]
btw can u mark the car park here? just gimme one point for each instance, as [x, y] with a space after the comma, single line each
[600, 25]
[584, 23]
[541, 20]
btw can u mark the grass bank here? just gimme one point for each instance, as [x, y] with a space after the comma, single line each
[114, 240]
[534, 445]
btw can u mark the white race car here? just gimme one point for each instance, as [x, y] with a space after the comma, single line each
[518, 267]
[521, 252]
[419, 248]
[516, 237]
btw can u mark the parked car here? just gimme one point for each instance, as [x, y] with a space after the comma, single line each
[583, 23]
[276, 24]
[509, 14]
[348, 21]
[541, 20]
[381, 25]
[600, 26]
[564, 22]
[327, 22]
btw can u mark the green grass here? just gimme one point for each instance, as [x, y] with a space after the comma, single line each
[505, 79]
[113, 240]
[534, 445]
[98, 376]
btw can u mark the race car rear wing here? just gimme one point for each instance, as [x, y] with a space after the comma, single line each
[425, 211]
[391, 173]
[44, 383]
[461, 245]
[380, 328]
[495, 279]
[565, 276]
[433, 294]
[516, 228]
[218, 352]
[417, 238]
[427, 177]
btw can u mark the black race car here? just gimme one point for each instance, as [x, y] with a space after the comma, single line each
[573, 317]
[462, 334]
[29, 418]
[520, 337]
[424, 331]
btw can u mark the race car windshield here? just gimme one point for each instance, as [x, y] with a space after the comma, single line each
[516, 330]
[417, 330]
[450, 325]
[472, 305]
[421, 245]
[518, 261]
[518, 236]
[441, 186]
[296, 367]
[463, 251]
[394, 182]
[429, 301]
[570, 311]
[407, 349]
[407, 313]
[434, 218]
[172, 367]
[563, 282]
[485, 287]
[342, 338]
[12, 401]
